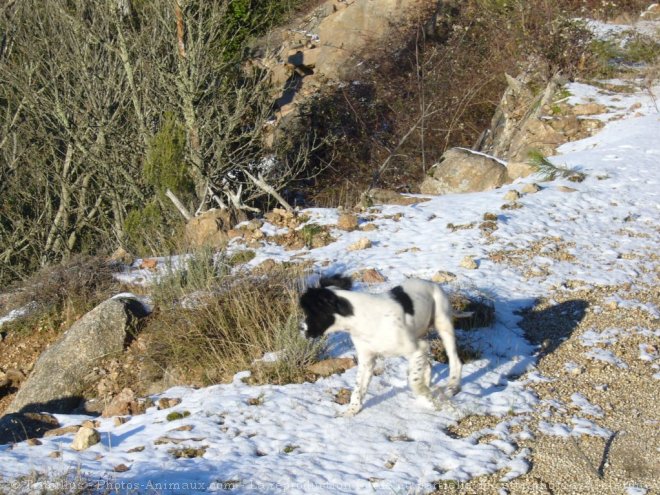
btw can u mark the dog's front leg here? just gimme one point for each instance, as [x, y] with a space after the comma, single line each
[364, 373]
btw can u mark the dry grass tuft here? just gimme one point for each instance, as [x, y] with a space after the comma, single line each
[210, 324]
[60, 294]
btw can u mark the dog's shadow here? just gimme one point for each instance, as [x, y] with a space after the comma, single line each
[380, 398]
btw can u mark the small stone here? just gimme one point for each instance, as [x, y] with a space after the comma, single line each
[469, 263]
[371, 276]
[166, 403]
[135, 449]
[255, 224]
[149, 264]
[488, 227]
[511, 206]
[266, 266]
[566, 189]
[490, 217]
[62, 431]
[576, 370]
[516, 170]
[121, 468]
[121, 256]
[183, 428]
[85, 438]
[347, 221]
[530, 188]
[343, 396]
[33, 442]
[413, 249]
[121, 404]
[363, 243]
[331, 366]
[257, 235]
[589, 109]
[443, 277]
[369, 227]
[119, 420]
[511, 195]
[91, 423]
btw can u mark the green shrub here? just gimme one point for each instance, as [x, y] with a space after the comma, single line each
[548, 171]
[153, 230]
[165, 165]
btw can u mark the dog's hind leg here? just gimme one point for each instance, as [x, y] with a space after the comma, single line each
[445, 328]
[419, 374]
[364, 373]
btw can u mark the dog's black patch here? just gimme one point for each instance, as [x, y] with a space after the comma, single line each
[320, 306]
[339, 281]
[403, 299]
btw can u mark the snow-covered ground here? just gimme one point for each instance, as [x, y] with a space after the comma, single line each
[294, 439]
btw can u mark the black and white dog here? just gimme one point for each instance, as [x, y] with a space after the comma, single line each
[388, 324]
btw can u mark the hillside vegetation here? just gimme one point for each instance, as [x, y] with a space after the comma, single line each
[121, 119]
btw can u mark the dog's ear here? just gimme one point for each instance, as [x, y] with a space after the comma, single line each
[343, 306]
[339, 281]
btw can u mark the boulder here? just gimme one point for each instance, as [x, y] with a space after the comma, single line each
[210, 228]
[461, 171]
[378, 196]
[62, 372]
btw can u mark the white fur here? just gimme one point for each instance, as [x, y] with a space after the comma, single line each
[379, 327]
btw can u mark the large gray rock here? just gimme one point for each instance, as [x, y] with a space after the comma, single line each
[461, 171]
[62, 371]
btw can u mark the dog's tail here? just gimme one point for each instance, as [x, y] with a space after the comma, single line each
[339, 281]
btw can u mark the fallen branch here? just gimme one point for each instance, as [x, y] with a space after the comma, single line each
[179, 205]
[267, 188]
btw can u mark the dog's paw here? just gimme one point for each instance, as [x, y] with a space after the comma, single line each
[431, 402]
[452, 390]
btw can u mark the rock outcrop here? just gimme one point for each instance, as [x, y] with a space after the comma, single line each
[331, 41]
[61, 373]
[531, 117]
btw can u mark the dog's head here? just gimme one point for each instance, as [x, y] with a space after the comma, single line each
[321, 305]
